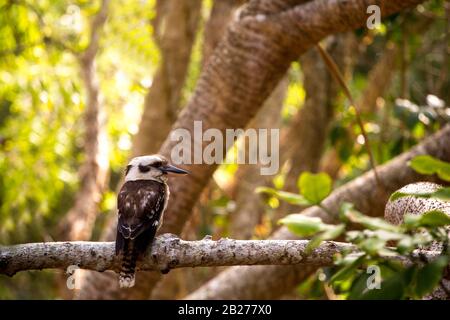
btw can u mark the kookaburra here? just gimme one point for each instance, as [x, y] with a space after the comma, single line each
[141, 203]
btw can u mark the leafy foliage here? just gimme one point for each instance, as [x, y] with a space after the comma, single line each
[381, 247]
[42, 99]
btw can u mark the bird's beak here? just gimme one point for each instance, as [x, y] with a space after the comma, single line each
[172, 169]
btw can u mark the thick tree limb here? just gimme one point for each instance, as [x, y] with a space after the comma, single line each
[215, 27]
[170, 252]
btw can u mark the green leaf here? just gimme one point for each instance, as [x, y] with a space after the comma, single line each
[303, 226]
[425, 164]
[344, 207]
[354, 236]
[397, 195]
[348, 270]
[292, 198]
[411, 221]
[443, 171]
[331, 233]
[429, 276]
[405, 245]
[434, 218]
[372, 245]
[315, 187]
[359, 286]
[442, 194]
[385, 252]
[385, 235]
[348, 212]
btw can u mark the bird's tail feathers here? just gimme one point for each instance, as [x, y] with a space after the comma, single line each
[128, 270]
[131, 251]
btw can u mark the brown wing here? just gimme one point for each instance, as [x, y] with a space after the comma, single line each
[140, 205]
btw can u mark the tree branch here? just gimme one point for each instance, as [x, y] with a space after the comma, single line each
[96, 27]
[169, 252]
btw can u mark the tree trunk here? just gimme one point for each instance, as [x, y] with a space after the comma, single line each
[93, 174]
[175, 34]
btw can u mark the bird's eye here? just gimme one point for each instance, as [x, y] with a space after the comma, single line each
[144, 168]
[157, 164]
[127, 169]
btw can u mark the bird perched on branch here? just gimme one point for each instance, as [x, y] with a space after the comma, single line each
[141, 203]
